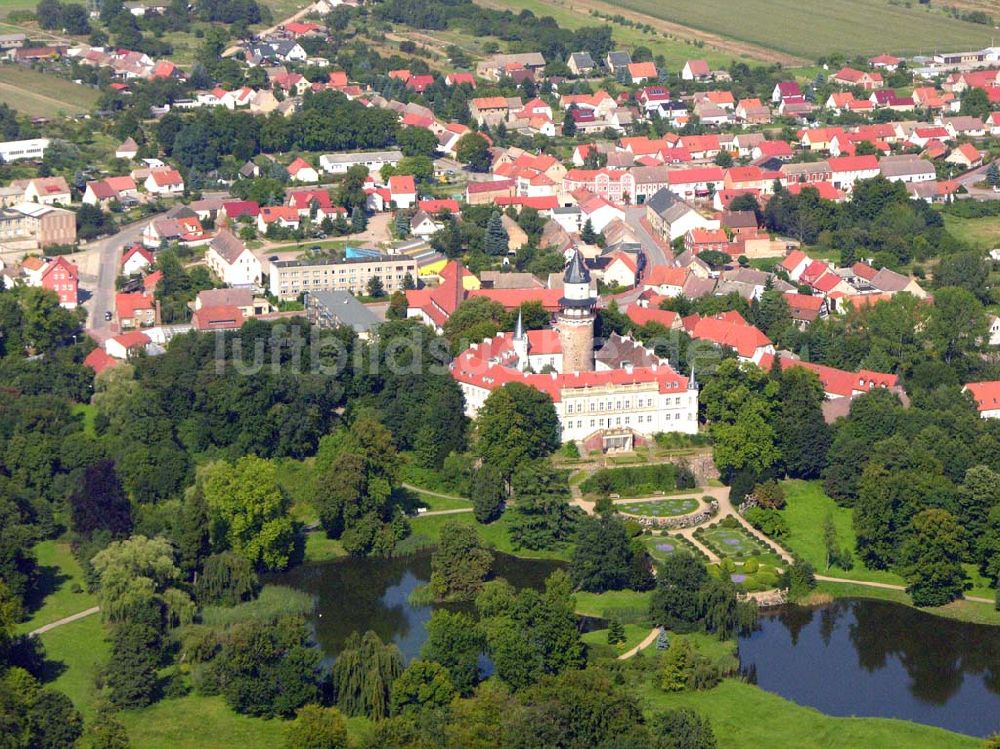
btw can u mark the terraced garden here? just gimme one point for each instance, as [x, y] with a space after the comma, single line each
[750, 575]
[661, 547]
[660, 508]
[733, 541]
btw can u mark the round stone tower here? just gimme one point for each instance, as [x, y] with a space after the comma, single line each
[576, 318]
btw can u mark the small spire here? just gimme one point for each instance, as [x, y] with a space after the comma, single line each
[692, 382]
[519, 328]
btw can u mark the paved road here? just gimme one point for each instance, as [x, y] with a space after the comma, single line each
[65, 620]
[109, 254]
[655, 252]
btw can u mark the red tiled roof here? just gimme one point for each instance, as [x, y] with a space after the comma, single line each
[986, 394]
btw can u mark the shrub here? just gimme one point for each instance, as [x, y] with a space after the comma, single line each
[769, 522]
[750, 566]
[770, 495]
[631, 482]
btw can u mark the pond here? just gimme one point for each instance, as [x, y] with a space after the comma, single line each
[362, 594]
[875, 658]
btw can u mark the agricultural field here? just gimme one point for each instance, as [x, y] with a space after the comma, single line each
[676, 50]
[979, 233]
[40, 95]
[9, 6]
[810, 28]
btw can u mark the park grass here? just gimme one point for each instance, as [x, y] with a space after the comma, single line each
[194, 721]
[74, 654]
[747, 717]
[88, 412]
[495, 535]
[319, 548]
[979, 233]
[963, 610]
[811, 28]
[597, 641]
[60, 572]
[42, 95]
[675, 51]
[747, 546]
[436, 503]
[625, 605]
[806, 509]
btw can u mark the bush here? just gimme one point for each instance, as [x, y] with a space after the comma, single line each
[770, 495]
[770, 522]
[751, 566]
[569, 450]
[631, 482]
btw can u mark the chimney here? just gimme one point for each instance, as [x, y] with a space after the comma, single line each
[156, 312]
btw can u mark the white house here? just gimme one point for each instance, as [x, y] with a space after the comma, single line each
[621, 271]
[339, 163]
[846, 170]
[301, 170]
[232, 262]
[164, 180]
[136, 260]
[695, 70]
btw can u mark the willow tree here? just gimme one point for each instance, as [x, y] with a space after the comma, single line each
[363, 675]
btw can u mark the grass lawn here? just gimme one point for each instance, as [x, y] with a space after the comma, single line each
[59, 573]
[319, 548]
[810, 28]
[8, 6]
[746, 717]
[597, 640]
[435, 503]
[806, 509]
[979, 233]
[187, 722]
[76, 651]
[659, 508]
[625, 605]
[495, 534]
[38, 94]
[89, 412]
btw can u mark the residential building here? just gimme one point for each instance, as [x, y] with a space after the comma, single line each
[232, 262]
[16, 150]
[339, 163]
[289, 278]
[333, 308]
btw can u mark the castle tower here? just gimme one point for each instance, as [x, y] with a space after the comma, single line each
[576, 318]
[521, 344]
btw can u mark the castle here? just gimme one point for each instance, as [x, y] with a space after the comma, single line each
[611, 398]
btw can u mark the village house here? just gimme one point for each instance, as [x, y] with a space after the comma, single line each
[136, 259]
[134, 310]
[229, 259]
[695, 70]
[164, 181]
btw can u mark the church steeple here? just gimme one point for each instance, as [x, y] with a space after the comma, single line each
[692, 382]
[521, 343]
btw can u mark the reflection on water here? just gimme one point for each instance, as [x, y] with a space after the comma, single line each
[362, 594]
[875, 658]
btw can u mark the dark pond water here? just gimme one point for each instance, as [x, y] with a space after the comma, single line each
[362, 594]
[874, 658]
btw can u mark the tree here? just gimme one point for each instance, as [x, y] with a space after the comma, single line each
[488, 494]
[683, 729]
[496, 240]
[359, 220]
[317, 727]
[803, 436]
[569, 123]
[136, 575]
[587, 234]
[604, 557]
[402, 224]
[956, 323]
[993, 175]
[517, 423]
[455, 641]
[675, 603]
[269, 669]
[798, 579]
[725, 614]
[541, 516]
[359, 470]
[988, 547]
[975, 103]
[226, 580]
[931, 558]
[250, 511]
[418, 141]
[135, 656]
[424, 684]
[363, 675]
[724, 159]
[616, 631]
[107, 732]
[99, 503]
[53, 721]
[460, 563]
[677, 666]
[473, 150]
[375, 288]
[474, 319]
